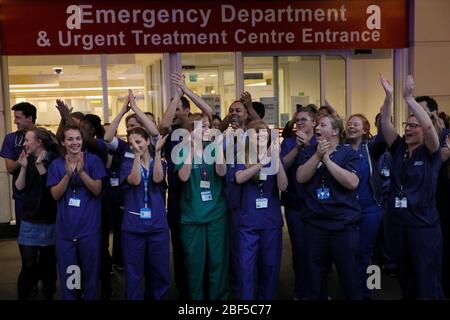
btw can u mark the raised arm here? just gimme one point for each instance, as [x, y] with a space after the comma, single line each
[246, 99]
[225, 123]
[148, 124]
[331, 109]
[112, 128]
[185, 171]
[220, 164]
[431, 138]
[179, 80]
[389, 132]
[167, 119]
[66, 119]
[158, 172]
[23, 161]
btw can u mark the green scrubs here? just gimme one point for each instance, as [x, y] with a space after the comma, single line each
[204, 234]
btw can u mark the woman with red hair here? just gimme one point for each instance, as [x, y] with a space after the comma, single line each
[369, 190]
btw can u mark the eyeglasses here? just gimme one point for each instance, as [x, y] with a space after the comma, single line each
[411, 125]
[302, 120]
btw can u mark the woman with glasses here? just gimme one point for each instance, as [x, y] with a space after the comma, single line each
[369, 189]
[305, 121]
[414, 225]
[328, 173]
[259, 219]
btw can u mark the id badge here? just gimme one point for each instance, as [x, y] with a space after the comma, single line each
[263, 177]
[262, 203]
[114, 182]
[401, 202]
[146, 213]
[397, 202]
[385, 172]
[129, 155]
[206, 196]
[323, 193]
[74, 202]
[205, 184]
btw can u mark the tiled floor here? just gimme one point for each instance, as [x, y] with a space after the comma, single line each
[10, 267]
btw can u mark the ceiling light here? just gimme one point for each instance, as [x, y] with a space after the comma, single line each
[258, 84]
[34, 85]
[75, 89]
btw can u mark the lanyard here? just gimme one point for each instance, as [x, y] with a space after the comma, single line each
[203, 172]
[405, 163]
[322, 176]
[261, 188]
[19, 144]
[145, 177]
[322, 168]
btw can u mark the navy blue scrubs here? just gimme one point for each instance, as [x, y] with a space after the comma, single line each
[174, 218]
[291, 199]
[260, 239]
[232, 192]
[332, 225]
[78, 228]
[415, 230]
[12, 147]
[443, 205]
[145, 241]
[371, 214]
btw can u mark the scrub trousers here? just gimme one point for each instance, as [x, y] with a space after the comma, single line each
[174, 220]
[418, 253]
[83, 253]
[368, 231]
[146, 255]
[340, 246]
[207, 243]
[296, 229]
[259, 263]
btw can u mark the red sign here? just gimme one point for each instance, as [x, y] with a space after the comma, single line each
[63, 27]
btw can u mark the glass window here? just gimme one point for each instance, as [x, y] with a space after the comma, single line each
[366, 92]
[212, 77]
[140, 73]
[40, 80]
[335, 83]
[300, 84]
[259, 81]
